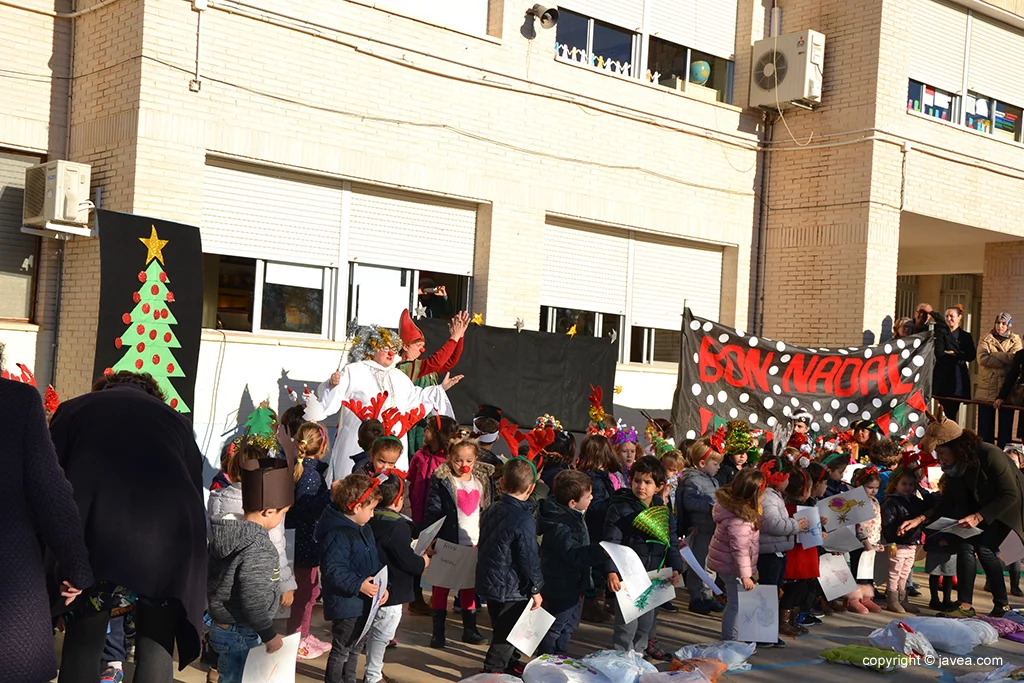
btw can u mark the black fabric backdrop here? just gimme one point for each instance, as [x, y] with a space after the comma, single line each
[122, 258]
[726, 374]
[527, 374]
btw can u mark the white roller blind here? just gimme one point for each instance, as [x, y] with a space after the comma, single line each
[584, 268]
[668, 272]
[255, 215]
[716, 27]
[938, 41]
[17, 250]
[469, 16]
[627, 14]
[674, 21]
[392, 228]
[996, 51]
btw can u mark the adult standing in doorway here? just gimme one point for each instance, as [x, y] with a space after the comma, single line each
[427, 372]
[371, 370]
[995, 360]
[983, 490]
[954, 350]
[434, 299]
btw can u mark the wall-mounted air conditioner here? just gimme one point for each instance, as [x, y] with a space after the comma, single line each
[57, 198]
[787, 71]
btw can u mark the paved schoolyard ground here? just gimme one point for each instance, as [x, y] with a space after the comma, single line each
[414, 662]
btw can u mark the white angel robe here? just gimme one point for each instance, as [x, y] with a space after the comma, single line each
[362, 381]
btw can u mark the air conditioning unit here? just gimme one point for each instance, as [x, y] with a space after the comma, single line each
[57, 197]
[787, 71]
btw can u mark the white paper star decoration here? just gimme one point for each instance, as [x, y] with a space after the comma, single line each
[519, 325]
[420, 311]
[614, 336]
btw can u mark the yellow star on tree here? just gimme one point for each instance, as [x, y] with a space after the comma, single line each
[154, 245]
[572, 331]
[478, 319]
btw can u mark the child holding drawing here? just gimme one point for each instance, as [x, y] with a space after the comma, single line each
[901, 504]
[870, 535]
[802, 568]
[733, 552]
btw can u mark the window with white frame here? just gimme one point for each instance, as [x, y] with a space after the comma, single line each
[19, 253]
[653, 345]
[377, 295]
[598, 44]
[689, 70]
[254, 295]
[932, 101]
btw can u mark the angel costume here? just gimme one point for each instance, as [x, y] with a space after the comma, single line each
[362, 380]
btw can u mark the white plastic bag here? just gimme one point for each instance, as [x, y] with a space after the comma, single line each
[555, 669]
[492, 678]
[984, 633]
[899, 637]
[695, 676]
[619, 667]
[948, 635]
[1000, 675]
[731, 653]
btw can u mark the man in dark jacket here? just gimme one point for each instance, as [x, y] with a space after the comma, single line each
[38, 505]
[392, 532]
[137, 475]
[566, 556]
[508, 574]
[646, 477]
[348, 565]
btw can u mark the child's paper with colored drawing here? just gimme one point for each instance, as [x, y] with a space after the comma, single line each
[530, 629]
[661, 590]
[758, 617]
[812, 537]
[844, 509]
[1011, 549]
[835, 577]
[632, 573]
[279, 667]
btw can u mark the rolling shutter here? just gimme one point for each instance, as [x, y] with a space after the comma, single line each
[259, 213]
[717, 23]
[938, 41]
[995, 49]
[668, 272]
[674, 21]
[627, 14]
[17, 250]
[392, 228]
[584, 268]
[469, 16]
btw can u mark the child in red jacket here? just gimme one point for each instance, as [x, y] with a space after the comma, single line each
[801, 563]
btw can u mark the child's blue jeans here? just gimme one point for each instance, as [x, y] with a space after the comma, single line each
[232, 644]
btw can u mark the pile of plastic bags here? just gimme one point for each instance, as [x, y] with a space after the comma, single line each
[731, 653]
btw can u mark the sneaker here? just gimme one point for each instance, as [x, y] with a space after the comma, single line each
[716, 606]
[112, 675]
[515, 668]
[936, 604]
[778, 644]
[810, 620]
[817, 612]
[1017, 593]
[959, 613]
[656, 653]
[392, 644]
[306, 650]
[913, 591]
[669, 607]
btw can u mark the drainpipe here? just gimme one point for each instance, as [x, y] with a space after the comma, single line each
[764, 163]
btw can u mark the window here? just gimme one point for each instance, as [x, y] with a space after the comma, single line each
[931, 101]
[992, 116]
[588, 323]
[19, 253]
[978, 112]
[601, 45]
[377, 295]
[293, 299]
[1007, 121]
[652, 345]
[668, 62]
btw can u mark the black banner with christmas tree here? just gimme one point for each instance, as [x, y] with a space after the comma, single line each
[151, 302]
[726, 374]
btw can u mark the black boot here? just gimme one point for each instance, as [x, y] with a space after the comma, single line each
[437, 636]
[469, 633]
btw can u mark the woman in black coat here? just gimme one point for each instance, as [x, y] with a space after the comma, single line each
[981, 480]
[38, 504]
[137, 475]
[954, 349]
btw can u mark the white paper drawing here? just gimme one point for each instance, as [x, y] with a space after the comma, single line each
[866, 566]
[1011, 549]
[381, 581]
[454, 566]
[835, 577]
[948, 525]
[694, 565]
[427, 536]
[289, 552]
[851, 507]
[279, 667]
[848, 472]
[758, 619]
[842, 540]
[812, 537]
[530, 629]
[631, 570]
[660, 591]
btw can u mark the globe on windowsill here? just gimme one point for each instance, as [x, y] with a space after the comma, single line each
[700, 72]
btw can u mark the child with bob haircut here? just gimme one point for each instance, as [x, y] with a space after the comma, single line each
[695, 501]
[901, 504]
[567, 556]
[348, 564]
[508, 573]
[599, 462]
[733, 552]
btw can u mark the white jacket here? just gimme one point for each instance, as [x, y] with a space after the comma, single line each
[228, 501]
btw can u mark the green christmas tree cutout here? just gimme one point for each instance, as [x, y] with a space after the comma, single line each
[261, 426]
[148, 339]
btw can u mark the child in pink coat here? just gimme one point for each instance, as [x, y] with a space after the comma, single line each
[733, 551]
[436, 435]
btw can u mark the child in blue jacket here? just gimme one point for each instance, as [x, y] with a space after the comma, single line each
[348, 563]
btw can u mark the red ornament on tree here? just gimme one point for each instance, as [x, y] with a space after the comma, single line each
[155, 289]
[136, 297]
[156, 359]
[145, 307]
[138, 364]
[163, 276]
[142, 276]
[117, 343]
[140, 330]
[170, 297]
[168, 337]
[140, 347]
[152, 335]
[126, 318]
[170, 368]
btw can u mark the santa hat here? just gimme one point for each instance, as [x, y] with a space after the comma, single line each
[267, 484]
[407, 329]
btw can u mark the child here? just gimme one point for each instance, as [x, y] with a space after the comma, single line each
[645, 478]
[940, 563]
[508, 573]
[243, 577]
[312, 496]
[901, 504]
[567, 556]
[392, 532]
[802, 569]
[818, 475]
[733, 552]
[778, 536]
[599, 462]
[696, 496]
[486, 425]
[287, 427]
[384, 455]
[460, 490]
[625, 451]
[348, 563]
[836, 464]
[732, 464]
[559, 456]
[870, 534]
[229, 501]
[369, 431]
[884, 455]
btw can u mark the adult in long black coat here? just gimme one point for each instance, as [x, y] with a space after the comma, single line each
[38, 503]
[137, 475]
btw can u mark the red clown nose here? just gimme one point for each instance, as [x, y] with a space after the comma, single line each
[466, 469]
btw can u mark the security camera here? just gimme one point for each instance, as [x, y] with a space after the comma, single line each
[548, 15]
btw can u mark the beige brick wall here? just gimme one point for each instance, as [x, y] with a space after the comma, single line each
[1004, 272]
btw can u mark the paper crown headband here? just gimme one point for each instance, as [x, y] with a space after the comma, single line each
[624, 435]
[597, 415]
[267, 484]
